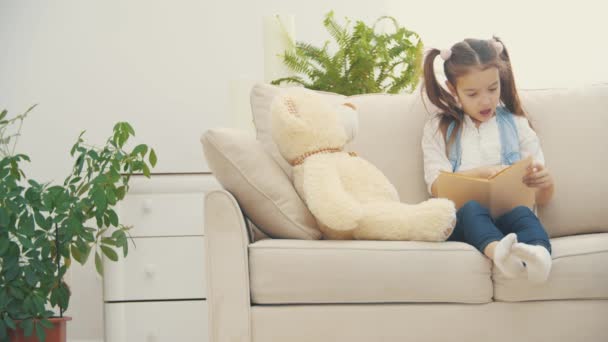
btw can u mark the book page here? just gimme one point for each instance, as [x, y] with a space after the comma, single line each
[508, 191]
[461, 189]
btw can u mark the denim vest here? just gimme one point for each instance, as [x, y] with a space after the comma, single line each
[509, 140]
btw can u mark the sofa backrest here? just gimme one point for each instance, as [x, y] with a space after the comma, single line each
[571, 124]
[390, 130]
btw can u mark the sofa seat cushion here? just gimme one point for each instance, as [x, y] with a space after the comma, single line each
[579, 271]
[303, 271]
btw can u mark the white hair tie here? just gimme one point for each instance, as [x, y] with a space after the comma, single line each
[445, 54]
[498, 46]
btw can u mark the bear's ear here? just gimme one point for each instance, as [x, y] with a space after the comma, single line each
[285, 110]
[348, 104]
[291, 106]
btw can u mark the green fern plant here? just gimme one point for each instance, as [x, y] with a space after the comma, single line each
[365, 61]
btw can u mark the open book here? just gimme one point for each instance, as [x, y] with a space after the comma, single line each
[500, 193]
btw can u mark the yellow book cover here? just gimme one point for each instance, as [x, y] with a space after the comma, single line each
[500, 193]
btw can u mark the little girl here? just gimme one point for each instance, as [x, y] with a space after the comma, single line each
[482, 128]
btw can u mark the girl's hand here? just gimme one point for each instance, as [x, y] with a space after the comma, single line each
[538, 176]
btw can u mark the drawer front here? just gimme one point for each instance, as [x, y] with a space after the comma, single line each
[156, 321]
[158, 268]
[162, 214]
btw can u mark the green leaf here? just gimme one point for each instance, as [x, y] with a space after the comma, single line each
[3, 332]
[93, 155]
[141, 149]
[30, 277]
[152, 157]
[40, 333]
[99, 219]
[88, 236]
[26, 225]
[3, 114]
[119, 234]
[27, 326]
[121, 192]
[109, 252]
[15, 292]
[63, 296]
[114, 173]
[111, 195]
[76, 146]
[98, 264]
[25, 242]
[12, 273]
[125, 248]
[128, 128]
[9, 322]
[99, 199]
[53, 299]
[84, 250]
[109, 241]
[46, 323]
[4, 242]
[77, 255]
[38, 303]
[84, 189]
[75, 180]
[79, 164]
[146, 170]
[41, 221]
[4, 217]
[113, 218]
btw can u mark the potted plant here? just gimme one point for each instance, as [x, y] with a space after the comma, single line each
[366, 61]
[44, 227]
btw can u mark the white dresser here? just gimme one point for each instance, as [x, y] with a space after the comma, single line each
[158, 293]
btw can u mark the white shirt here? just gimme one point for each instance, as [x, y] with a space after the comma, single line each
[480, 147]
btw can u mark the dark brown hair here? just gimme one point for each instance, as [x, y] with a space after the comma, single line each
[467, 55]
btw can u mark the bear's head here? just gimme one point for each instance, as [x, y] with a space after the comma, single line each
[304, 122]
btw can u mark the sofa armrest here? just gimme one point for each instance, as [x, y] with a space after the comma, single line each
[227, 269]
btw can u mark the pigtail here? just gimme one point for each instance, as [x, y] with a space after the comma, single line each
[508, 94]
[441, 98]
[435, 92]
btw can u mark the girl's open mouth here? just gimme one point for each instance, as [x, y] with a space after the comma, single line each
[486, 112]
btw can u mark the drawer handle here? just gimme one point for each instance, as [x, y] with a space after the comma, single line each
[150, 270]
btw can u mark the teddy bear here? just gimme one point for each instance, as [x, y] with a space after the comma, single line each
[348, 196]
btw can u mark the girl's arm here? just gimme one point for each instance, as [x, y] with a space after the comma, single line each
[433, 151]
[543, 196]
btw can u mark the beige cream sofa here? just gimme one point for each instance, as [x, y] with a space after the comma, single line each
[297, 287]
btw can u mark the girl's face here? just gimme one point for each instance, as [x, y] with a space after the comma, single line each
[478, 93]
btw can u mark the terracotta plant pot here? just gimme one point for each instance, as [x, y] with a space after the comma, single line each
[57, 334]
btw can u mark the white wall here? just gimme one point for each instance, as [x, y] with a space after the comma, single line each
[167, 67]
[551, 43]
[164, 66]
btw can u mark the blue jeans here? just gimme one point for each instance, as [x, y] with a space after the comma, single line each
[475, 226]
